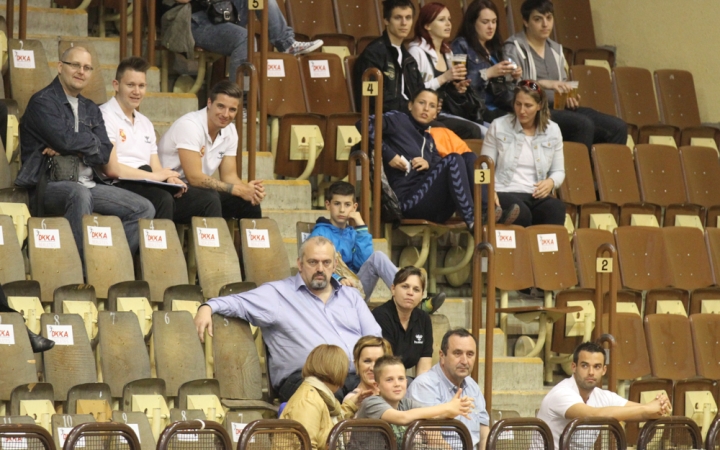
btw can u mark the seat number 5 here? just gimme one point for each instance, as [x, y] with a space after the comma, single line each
[255, 4]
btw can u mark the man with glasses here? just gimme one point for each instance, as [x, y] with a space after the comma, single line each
[299, 313]
[65, 151]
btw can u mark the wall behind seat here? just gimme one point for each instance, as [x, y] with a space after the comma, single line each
[666, 34]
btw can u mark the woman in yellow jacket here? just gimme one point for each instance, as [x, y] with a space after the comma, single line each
[314, 404]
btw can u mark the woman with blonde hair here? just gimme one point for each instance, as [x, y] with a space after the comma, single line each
[368, 349]
[314, 404]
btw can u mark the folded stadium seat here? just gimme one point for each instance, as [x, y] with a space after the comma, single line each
[363, 42]
[95, 89]
[594, 88]
[132, 296]
[670, 346]
[631, 356]
[456, 9]
[62, 424]
[14, 195]
[705, 330]
[25, 81]
[349, 65]
[645, 391]
[107, 254]
[18, 367]
[660, 180]
[140, 423]
[183, 297]
[217, 260]
[302, 232]
[357, 18]
[578, 190]
[296, 135]
[162, 261]
[475, 145]
[326, 93]
[678, 106]
[513, 269]
[176, 350]
[78, 299]
[264, 253]
[513, 8]
[122, 354]
[316, 18]
[701, 173]
[13, 263]
[574, 30]
[147, 397]
[90, 398]
[617, 183]
[51, 246]
[204, 395]
[635, 98]
[71, 361]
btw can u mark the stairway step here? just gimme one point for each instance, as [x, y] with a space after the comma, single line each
[499, 340]
[108, 48]
[524, 402]
[287, 194]
[53, 21]
[511, 373]
[152, 78]
[287, 218]
[167, 107]
[30, 3]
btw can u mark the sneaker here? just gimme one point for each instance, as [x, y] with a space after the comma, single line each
[432, 304]
[508, 216]
[300, 48]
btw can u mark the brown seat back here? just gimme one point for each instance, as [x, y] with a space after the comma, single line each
[615, 173]
[635, 96]
[311, 17]
[18, 367]
[513, 267]
[586, 241]
[285, 92]
[217, 259]
[357, 18]
[237, 365]
[178, 354]
[701, 173]
[162, 260]
[574, 24]
[687, 258]
[560, 342]
[677, 98]
[595, 88]
[705, 329]
[24, 82]
[670, 346]
[712, 240]
[552, 269]
[517, 19]
[13, 266]
[104, 241]
[578, 187]
[324, 85]
[659, 174]
[124, 357]
[95, 89]
[349, 62]
[264, 252]
[641, 255]
[631, 354]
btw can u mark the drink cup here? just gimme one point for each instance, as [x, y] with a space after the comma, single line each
[459, 59]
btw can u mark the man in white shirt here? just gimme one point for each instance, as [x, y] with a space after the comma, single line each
[202, 142]
[582, 396]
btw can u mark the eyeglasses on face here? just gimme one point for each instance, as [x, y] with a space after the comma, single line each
[77, 66]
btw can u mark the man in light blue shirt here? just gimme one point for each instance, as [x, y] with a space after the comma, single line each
[299, 313]
[458, 352]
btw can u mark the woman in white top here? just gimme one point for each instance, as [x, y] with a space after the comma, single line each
[527, 148]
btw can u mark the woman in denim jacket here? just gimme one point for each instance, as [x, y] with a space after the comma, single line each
[480, 39]
[527, 149]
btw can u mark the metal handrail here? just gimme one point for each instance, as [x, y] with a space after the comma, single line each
[249, 70]
[267, 426]
[477, 285]
[477, 234]
[28, 431]
[352, 179]
[102, 429]
[197, 426]
[593, 424]
[598, 332]
[364, 143]
[152, 17]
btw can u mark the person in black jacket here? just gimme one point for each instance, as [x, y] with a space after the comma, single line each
[401, 76]
[39, 344]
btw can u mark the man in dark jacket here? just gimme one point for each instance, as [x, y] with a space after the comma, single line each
[401, 76]
[60, 123]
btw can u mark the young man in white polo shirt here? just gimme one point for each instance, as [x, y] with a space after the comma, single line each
[582, 396]
[201, 142]
[134, 155]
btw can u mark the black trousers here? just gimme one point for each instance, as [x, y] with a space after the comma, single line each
[534, 211]
[293, 382]
[463, 128]
[587, 126]
[4, 307]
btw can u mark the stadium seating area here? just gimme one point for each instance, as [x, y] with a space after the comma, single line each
[127, 355]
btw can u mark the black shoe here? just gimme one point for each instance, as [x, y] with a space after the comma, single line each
[509, 215]
[432, 304]
[38, 343]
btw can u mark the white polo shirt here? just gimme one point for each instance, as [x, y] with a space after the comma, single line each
[566, 394]
[190, 132]
[134, 142]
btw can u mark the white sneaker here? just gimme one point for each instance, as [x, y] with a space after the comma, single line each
[301, 48]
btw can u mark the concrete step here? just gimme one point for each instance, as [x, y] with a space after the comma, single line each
[152, 78]
[108, 49]
[513, 374]
[287, 194]
[53, 21]
[286, 219]
[167, 107]
[33, 3]
[525, 403]
[161, 128]
[264, 163]
[499, 341]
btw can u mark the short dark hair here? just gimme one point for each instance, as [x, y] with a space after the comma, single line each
[226, 87]
[384, 361]
[417, 93]
[131, 63]
[590, 347]
[340, 188]
[459, 332]
[389, 5]
[541, 6]
[406, 272]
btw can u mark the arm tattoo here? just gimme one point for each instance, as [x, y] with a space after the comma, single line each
[212, 183]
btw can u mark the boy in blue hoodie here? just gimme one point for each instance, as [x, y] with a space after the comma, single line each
[354, 243]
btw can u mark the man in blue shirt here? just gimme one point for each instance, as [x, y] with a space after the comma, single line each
[458, 352]
[299, 313]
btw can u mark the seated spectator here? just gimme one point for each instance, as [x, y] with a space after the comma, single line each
[354, 244]
[527, 149]
[406, 327]
[38, 343]
[399, 411]
[421, 180]
[185, 24]
[401, 77]
[491, 74]
[458, 352]
[299, 313]
[368, 349]
[582, 395]
[61, 128]
[542, 59]
[201, 142]
[314, 405]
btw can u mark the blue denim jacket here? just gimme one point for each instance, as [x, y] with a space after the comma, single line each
[48, 121]
[503, 143]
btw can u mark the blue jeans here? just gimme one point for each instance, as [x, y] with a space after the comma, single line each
[230, 39]
[72, 200]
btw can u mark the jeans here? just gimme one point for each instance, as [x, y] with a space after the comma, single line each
[534, 211]
[378, 265]
[72, 200]
[587, 126]
[208, 203]
[230, 39]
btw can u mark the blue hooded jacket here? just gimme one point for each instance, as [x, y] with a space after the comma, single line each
[354, 243]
